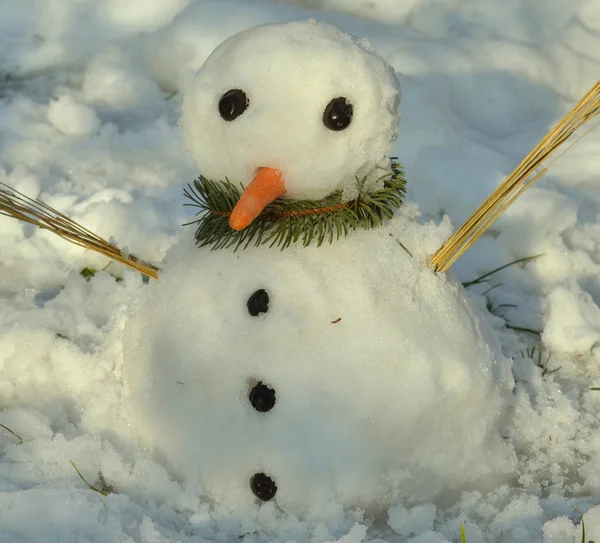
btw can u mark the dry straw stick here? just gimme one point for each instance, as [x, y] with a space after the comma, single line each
[18, 206]
[533, 166]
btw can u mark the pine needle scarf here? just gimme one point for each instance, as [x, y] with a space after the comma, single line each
[286, 221]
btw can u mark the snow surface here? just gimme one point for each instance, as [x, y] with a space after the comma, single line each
[89, 103]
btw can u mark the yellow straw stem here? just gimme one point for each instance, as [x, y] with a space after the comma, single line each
[533, 166]
[18, 206]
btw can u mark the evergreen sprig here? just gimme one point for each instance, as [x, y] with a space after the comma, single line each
[286, 221]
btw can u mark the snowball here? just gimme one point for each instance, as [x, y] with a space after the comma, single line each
[72, 118]
[282, 126]
[388, 384]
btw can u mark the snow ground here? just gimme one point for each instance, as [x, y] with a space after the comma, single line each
[89, 100]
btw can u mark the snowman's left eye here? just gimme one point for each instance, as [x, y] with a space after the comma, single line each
[232, 104]
[338, 114]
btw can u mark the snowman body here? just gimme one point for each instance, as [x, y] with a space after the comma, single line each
[348, 373]
[387, 384]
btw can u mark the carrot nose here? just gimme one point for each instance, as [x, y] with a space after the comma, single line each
[267, 185]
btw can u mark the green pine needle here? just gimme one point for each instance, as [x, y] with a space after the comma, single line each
[287, 221]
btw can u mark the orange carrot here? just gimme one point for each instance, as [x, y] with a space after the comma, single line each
[264, 188]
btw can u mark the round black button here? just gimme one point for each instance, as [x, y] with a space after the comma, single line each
[258, 303]
[263, 487]
[262, 397]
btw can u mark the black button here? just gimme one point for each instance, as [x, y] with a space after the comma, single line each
[263, 487]
[258, 303]
[262, 397]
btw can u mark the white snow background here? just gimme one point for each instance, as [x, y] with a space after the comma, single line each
[90, 93]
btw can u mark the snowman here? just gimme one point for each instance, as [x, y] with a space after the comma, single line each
[297, 349]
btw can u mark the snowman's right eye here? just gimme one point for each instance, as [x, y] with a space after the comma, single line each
[338, 114]
[232, 104]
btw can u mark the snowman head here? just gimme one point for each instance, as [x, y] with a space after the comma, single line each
[297, 109]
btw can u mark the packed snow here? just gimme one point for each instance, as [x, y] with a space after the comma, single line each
[93, 371]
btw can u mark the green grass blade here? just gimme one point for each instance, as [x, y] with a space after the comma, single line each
[88, 484]
[486, 275]
[13, 433]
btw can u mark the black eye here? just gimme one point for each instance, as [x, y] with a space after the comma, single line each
[232, 104]
[338, 114]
